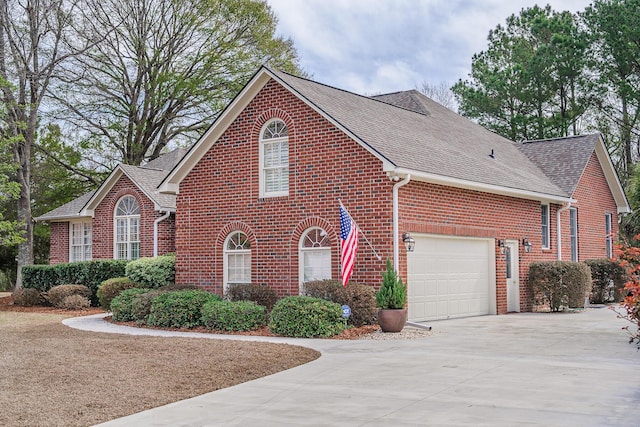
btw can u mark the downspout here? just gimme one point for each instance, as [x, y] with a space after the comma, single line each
[396, 186]
[155, 231]
[559, 228]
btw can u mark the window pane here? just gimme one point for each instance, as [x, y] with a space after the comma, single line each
[316, 264]
[135, 250]
[545, 225]
[134, 229]
[121, 251]
[121, 230]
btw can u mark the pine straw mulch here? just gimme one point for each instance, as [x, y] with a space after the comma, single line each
[57, 376]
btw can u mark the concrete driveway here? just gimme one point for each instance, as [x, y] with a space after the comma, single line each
[567, 369]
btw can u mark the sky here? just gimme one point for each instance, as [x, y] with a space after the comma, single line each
[380, 46]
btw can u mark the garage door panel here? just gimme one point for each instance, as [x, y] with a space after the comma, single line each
[449, 277]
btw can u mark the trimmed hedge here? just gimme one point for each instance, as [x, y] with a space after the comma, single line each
[559, 284]
[360, 298]
[260, 294]
[179, 309]
[111, 288]
[152, 272]
[88, 273]
[306, 317]
[609, 279]
[58, 294]
[123, 306]
[233, 316]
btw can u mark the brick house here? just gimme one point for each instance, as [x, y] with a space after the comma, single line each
[258, 197]
[83, 229]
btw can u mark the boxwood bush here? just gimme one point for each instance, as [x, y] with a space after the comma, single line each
[260, 294]
[233, 315]
[152, 272]
[57, 294]
[559, 284]
[609, 279]
[360, 298]
[306, 317]
[88, 273]
[179, 309]
[111, 288]
[122, 306]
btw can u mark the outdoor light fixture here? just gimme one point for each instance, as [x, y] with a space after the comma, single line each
[501, 246]
[527, 245]
[408, 241]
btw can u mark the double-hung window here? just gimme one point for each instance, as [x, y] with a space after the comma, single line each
[573, 233]
[609, 237]
[315, 255]
[546, 241]
[80, 241]
[274, 159]
[127, 229]
[237, 259]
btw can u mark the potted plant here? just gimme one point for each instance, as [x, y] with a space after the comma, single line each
[391, 299]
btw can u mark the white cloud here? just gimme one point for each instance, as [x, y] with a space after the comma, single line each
[374, 46]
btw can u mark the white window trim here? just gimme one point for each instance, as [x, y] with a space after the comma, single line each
[302, 250]
[574, 211]
[262, 142]
[83, 245]
[225, 260]
[608, 224]
[128, 218]
[547, 244]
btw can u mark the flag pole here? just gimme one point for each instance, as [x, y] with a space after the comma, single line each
[362, 233]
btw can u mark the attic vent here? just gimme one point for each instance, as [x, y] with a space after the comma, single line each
[493, 156]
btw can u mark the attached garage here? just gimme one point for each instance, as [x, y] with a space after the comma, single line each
[451, 277]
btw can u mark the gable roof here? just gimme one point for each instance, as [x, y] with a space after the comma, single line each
[146, 178]
[426, 140]
[574, 152]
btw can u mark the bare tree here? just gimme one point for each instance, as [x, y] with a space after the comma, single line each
[441, 93]
[162, 72]
[33, 43]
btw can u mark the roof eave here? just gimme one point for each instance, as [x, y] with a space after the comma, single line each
[611, 176]
[482, 187]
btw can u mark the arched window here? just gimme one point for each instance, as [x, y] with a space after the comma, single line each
[237, 259]
[315, 255]
[127, 229]
[274, 159]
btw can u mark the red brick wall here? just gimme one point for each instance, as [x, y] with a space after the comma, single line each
[221, 195]
[102, 226]
[59, 243]
[594, 200]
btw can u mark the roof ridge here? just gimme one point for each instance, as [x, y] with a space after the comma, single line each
[530, 141]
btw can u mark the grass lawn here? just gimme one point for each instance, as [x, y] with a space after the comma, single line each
[53, 375]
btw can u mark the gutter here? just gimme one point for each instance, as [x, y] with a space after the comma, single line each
[155, 231]
[396, 186]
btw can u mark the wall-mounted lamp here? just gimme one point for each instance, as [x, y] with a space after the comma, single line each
[501, 246]
[527, 245]
[408, 241]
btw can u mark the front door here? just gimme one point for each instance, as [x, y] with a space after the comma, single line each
[513, 275]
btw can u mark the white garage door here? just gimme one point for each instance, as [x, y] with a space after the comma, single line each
[450, 277]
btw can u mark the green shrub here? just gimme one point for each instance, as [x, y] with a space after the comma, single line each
[361, 299]
[323, 289]
[306, 317]
[122, 306]
[392, 293]
[57, 294]
[609, 279]
[88, 273]
[141, 305]
[153, 272]
[75, 302]
[179, 309]
[177, 287]
[111, 288]
[260, 294]
[27, 297]
[233, 315]
[559, 284]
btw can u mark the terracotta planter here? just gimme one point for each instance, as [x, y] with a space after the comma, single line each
[392, 320]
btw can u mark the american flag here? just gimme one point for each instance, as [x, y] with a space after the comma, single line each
[349, 244]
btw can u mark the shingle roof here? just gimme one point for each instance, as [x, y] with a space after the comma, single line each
[434, 141]
[563, 160]
[68, 210]
[146, 177]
